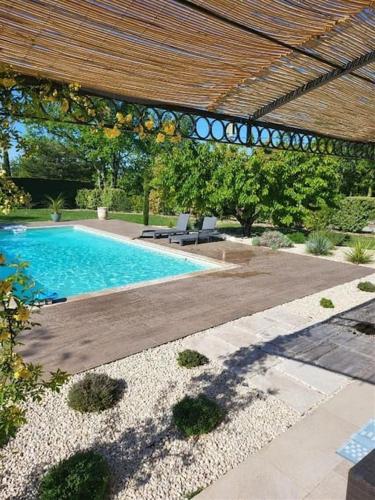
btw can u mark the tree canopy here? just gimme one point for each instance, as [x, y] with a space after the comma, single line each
[231, 181]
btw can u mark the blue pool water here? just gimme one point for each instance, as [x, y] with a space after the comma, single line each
[69, 261]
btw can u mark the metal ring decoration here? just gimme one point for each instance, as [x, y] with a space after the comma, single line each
[209, 126]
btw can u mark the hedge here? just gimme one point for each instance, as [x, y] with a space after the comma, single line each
[354, 213]
[113, 198]
[39, 188]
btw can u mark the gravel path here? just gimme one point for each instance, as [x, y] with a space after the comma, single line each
[148, 457]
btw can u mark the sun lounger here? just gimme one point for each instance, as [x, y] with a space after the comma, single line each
[181, 228]
[207, 233]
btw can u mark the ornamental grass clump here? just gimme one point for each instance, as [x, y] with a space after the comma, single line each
[274, 240]
[196, 416]
[191, 359]
[366, 286]
[84, 476]
[19, 381]
[326, 303]
[319, 244]
[359, 254]
[95, 392]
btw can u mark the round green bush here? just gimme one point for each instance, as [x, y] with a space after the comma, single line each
[366, 286]
[95, 392]
[354, 213]
[195, 416]
[83, 476]
[326, 303]
[191, 359]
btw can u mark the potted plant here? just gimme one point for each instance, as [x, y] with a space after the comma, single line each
[56, 205]
[102, 213]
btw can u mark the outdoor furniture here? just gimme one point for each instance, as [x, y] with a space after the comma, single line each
[181, 228]
[207, 233]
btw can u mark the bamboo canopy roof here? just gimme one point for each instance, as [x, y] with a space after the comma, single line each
[307, 64]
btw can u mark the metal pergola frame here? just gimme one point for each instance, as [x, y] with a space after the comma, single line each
[237, 126]
[199, 125]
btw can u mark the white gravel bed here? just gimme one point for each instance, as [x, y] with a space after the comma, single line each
[338, 254]
[344, 297]
[148, 457]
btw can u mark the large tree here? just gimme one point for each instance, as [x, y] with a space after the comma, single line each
[233, 182]
[73, 152]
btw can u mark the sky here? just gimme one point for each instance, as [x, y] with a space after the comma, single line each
[202, 128]
[13, 152]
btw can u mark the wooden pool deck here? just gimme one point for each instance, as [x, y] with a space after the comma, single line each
[81, 334]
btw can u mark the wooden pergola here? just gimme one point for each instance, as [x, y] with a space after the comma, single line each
[301, 69]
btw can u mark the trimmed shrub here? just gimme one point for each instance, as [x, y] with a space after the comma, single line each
[136, 203]
[359, 254]
[114, 198]
[83, 476]
[95, 392]
[318, 220]
[82, 198]
[366, 286]
[354, 213]
[195, 416]
[274, 239]
[319, 244]
[94, 199]
[297, 237]
[326, 303]
[191, 359]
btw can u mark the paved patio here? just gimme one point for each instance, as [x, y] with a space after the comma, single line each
[302, 463]
[82, 334]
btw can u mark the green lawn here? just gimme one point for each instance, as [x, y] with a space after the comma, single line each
[228, 226]
[43, 214]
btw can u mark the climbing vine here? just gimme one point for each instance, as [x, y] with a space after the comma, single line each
[23, 96]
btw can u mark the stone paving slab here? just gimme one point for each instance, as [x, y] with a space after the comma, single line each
[302, 463]
[322, 380]
[334, 345]
[291, 391]
[211, 346]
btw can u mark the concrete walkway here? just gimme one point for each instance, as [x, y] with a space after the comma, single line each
[302, 463]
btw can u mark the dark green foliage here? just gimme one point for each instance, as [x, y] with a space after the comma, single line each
[83, 476]
[326, 303]
[40, 188]
[297, 237]
[366, 286]
[195, 416]
[113, 198]
[318, 220]
[336, 238]
[191, 359]
[354, 213]
[319, 244]
[95, 392]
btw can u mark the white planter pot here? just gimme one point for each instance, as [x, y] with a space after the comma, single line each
[102, 213]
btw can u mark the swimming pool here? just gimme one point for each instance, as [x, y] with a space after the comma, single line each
[69, 261]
